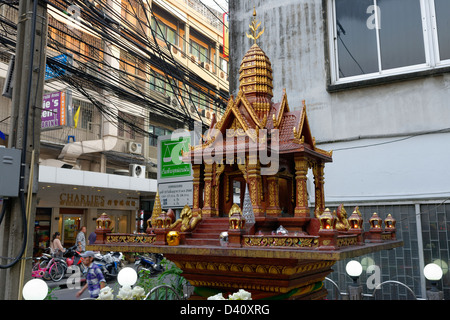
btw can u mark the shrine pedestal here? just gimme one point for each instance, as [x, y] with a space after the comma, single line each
[287, 279]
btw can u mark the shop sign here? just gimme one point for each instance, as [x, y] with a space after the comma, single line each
[97, 201]
[54, 109]
[170, 152]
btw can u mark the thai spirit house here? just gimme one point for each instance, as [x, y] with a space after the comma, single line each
[277, 247]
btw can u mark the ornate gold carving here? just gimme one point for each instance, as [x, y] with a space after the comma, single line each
[255, 268]
[236, 221]
[235, 209]
[345, 241]
[156, 210]
[130, 238]
[281, 241]
[254, 26]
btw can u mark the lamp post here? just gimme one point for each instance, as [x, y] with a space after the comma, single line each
[433, 273]
[127, 277]
[35, 289]
[354, 270]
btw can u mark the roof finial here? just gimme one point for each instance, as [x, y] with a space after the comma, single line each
[254, 26]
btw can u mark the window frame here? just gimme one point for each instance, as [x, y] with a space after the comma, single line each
[431, 47]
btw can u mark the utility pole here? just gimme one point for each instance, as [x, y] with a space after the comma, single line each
[25, 135]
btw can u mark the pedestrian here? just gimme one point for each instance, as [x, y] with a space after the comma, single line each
[92, 237]
[56, 247]
[81, 239]
[95, 281]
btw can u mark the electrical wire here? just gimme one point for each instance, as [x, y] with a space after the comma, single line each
[159, 63]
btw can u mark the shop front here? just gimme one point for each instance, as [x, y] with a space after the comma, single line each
[72, 199]
[75, 207]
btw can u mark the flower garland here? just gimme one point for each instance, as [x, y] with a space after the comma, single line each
[240, 295]
[125, 293]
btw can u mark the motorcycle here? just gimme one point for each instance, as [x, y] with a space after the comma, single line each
[74, 258]
[110, 263]
[150, 263]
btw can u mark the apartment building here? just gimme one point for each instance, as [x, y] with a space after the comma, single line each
[98, 146]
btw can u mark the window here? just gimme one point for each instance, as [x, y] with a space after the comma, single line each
[376, 38]
[86, 116]
[224, 65]
[159, 83]
[200, 52]
[164, 32]
[129, 125]
[155, 132]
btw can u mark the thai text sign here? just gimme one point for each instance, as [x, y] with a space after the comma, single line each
[175, 195]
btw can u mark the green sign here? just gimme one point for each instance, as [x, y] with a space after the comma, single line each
[170, 162]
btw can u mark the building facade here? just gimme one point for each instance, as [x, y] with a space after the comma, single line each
[374, 77]
[98, 152]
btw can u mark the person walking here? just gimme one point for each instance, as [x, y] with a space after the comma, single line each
[81, 239]
[56, 247]
[95, 281]
[92, 237]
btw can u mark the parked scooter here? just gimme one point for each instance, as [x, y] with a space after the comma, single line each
[74, 258]
[110, 263]
[150, 262]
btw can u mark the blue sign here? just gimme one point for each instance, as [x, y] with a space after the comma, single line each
[51, 73]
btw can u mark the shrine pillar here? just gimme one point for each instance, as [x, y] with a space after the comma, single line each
[274, 209]
[197, 199]
[209, 209]
[318, 171]
[301, 170]
[255, 185]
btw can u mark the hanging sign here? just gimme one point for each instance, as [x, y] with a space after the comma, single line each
[54, 109]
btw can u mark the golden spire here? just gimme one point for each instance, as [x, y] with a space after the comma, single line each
[254, 26]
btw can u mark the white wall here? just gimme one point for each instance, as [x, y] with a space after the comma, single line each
[390, 169]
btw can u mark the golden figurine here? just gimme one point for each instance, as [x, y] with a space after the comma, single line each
[187, 220]
[342, 223]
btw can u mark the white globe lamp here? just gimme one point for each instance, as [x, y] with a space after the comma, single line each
[432, 272]
[354, 269]
[127, 277]
[35, 289]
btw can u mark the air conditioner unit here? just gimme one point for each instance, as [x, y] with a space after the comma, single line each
[173, 102]
[134, 147]
[192, 108]
[137, 171]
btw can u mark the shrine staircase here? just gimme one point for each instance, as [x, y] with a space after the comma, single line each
[208, 231]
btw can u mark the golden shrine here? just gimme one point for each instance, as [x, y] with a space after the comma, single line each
[273, 247]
